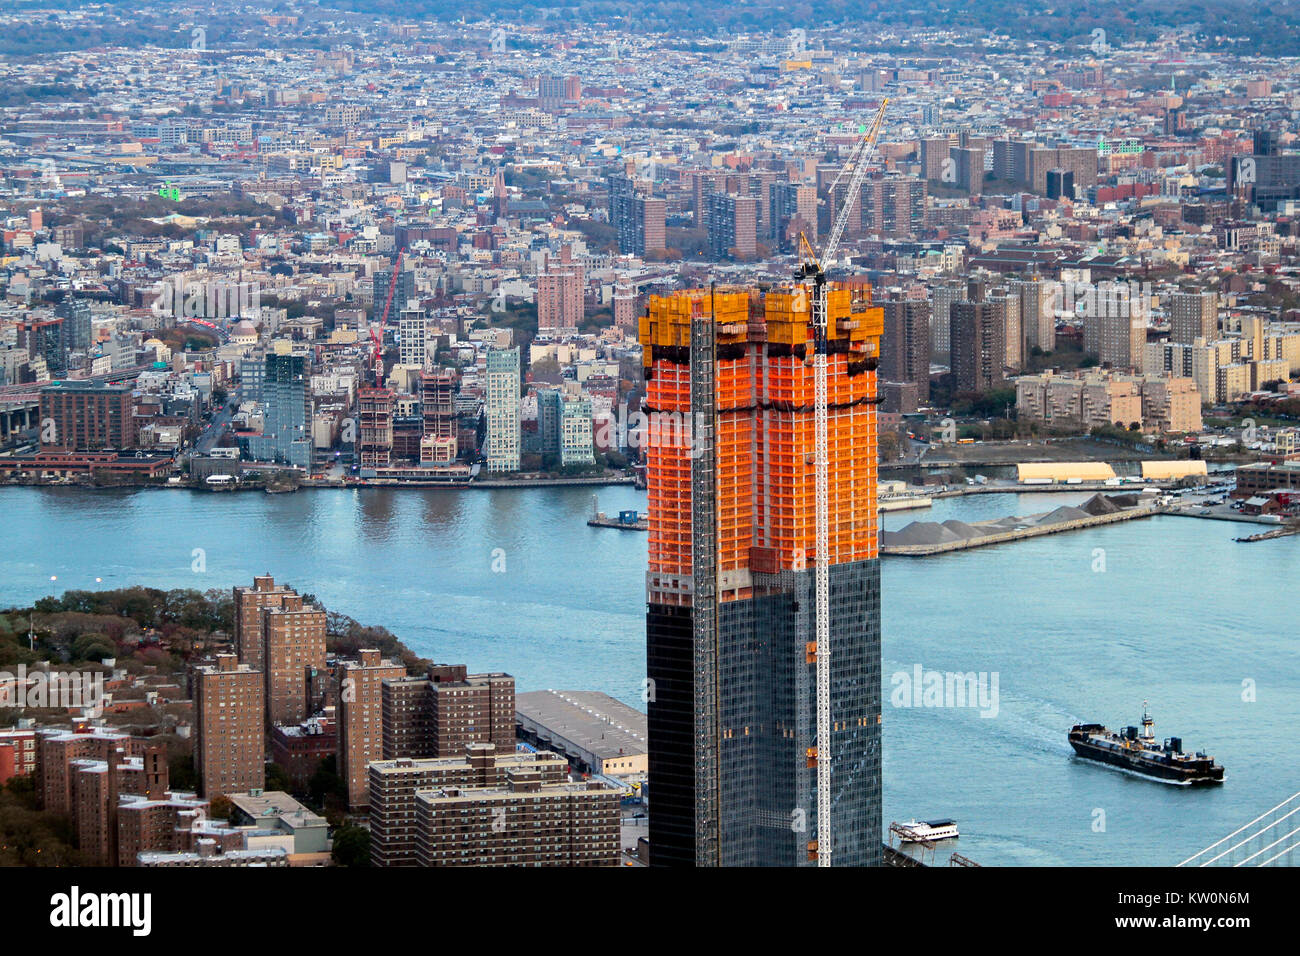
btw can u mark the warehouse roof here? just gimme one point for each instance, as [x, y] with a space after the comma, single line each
[1063, 470]
[588, 720]
[1159, 470]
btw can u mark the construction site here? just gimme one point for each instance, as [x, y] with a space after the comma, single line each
[763, 586]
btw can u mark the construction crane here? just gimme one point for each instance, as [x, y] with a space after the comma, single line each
[377, 357]
[813, 277]
[377, 340]
[392, 287]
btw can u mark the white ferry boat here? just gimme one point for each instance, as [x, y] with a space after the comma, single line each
[931, 830]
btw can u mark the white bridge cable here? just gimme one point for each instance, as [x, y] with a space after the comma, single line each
[1280, 855]
[1269, 847]
[1258, 833]
[1289, 800]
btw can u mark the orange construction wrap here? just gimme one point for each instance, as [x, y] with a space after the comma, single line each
[764, 392]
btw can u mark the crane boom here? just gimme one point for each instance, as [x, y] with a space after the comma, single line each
[813, 277]
[849, 165]
[859, 161]
[377, 356]
[392, 287]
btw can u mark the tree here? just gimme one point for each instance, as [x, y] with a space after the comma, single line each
[93, 647]
[351, 846]
[181, 774]
[277, 778]
[546, 370]
[30, 836]
[325, 782]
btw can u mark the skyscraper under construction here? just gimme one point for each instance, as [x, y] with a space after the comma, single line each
[730, 627]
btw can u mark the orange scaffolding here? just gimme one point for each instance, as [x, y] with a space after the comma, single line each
[764, 392]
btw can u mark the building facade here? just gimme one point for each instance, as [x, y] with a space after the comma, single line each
[905, 344]
[230, 744]
[576, 440]
[294, 635]
[732, 224]
[503, 410]
[395, 784]
[439, 714]
[730, 626]
[521, 822]
[976, 338]
[361, 719]
[286, 402]
[1192, 316]
[86, 416]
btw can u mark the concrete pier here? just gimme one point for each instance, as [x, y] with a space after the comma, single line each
[1030, 531]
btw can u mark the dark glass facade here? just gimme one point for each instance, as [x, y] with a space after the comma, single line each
[767, 722]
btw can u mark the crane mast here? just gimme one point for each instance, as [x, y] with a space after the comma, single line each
[813, 277]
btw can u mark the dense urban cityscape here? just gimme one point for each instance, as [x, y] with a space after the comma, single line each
[368, 371]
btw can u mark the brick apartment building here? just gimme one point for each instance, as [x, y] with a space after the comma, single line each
[439, 714]
[299, 748]
[732, 226]
[488, 808]
[84, 774]
[394, 784]
[294, 651]
[173, 823]
[361, 719]
[905, 344]
[18, 750]
[249, 604]
[978, 344]
[86, 416]
[229, 711]
[523, 822]
[560, 298]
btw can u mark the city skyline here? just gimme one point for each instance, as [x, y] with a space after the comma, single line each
[629, 436]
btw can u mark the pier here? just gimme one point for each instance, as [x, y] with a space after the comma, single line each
[960, 536]
[626, 521]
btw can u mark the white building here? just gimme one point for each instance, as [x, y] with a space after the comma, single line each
[575, 433]
[503, 410]
[413, 337]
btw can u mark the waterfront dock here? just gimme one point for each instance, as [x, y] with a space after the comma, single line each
[601, 520]
[924, 539]
[904, 502]
[626, 520]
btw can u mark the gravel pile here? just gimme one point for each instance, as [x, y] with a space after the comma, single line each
[922, 533]
[918, 533]
[1099, 504]
[1063, 513]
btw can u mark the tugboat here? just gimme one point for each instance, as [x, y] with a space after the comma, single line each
[1137, 751]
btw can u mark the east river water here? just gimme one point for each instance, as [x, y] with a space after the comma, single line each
[1074, 627]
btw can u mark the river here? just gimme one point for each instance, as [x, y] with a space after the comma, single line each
[1078, 626]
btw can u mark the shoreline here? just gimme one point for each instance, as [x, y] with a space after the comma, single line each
[489, 484]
